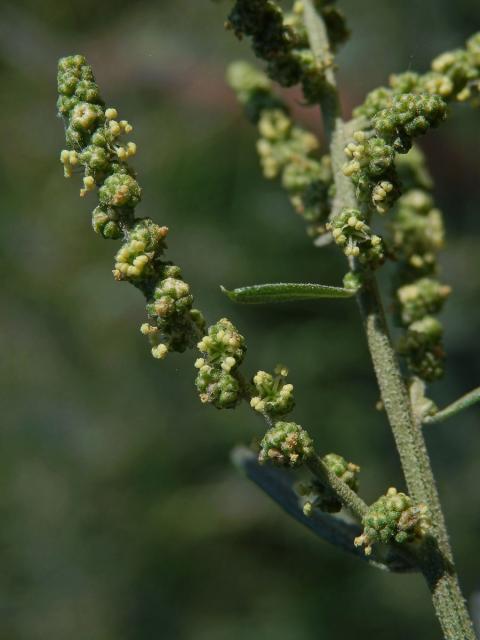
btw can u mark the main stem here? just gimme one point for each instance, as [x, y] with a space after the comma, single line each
[436, 559]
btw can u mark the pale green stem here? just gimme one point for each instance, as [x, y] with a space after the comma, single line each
[437, 563]
[466, 401]
[349, 499]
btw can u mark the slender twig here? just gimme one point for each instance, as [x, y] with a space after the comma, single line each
[437, 563]
[466, 401]
[279, 485]
[349, 499]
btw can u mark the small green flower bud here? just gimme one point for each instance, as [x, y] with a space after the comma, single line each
[375, 101]
[95, 158]
[217, 387]
[286, 444]
[393, 518]
[85, 117]
[352, 281]
[352, 233]
[105, 223]
[346, 471]
[222, 342]
[120, 190]
[422, 346]
[417, 231]
[422, 297]
[136, 258]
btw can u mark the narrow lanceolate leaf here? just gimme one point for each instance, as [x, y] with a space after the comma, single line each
[466, 401]
[285, 292]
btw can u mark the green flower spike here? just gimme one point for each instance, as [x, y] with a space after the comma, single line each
[94, 138]
[285, 149]
[286, 444]
[393, 518]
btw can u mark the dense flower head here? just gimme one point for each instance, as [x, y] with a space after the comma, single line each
[417, 231]
[223, 350]
[274, 397]
[394, 517]
[351, 232]
[409, 116]
[422, 347]
[286, 444]
[371, 167]
[420, 298]
[223, 345]
[217, 387]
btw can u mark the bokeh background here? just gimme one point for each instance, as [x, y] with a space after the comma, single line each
[121, 517]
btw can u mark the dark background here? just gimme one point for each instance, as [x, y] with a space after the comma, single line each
[121, 517]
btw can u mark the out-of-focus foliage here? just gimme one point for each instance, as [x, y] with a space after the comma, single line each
[121, 517]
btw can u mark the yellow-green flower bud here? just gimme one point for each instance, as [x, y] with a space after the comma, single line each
[286, 444]
[394, 518]
[273, 397]
[120, 190]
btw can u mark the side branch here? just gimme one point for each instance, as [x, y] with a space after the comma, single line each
[466, 401]
[278, 484]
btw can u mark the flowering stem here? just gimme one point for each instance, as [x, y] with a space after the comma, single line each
[278, 484]
[349, 499]
[437, 560]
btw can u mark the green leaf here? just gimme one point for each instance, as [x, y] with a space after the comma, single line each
[285, 292]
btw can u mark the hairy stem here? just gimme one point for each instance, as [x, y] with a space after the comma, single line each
[437, 560]
[466, 401]
[349, 499]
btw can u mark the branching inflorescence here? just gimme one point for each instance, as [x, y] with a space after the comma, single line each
[383, 171]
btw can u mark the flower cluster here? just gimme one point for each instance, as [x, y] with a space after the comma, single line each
[286, 444]
[285, 149]
[396, 115]
[223, 350]
[281, 41]
[409, 116]
[351, 232]
[393, 518]
[372, 169]
[372, 153]
[316, 496]
[416, 235]
[417, 232]
[454, 76]
[94, 139]
[273, 396]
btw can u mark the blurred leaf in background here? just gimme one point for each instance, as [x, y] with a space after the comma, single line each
[121, 515]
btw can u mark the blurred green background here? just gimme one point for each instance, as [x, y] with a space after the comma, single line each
[121, 516]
